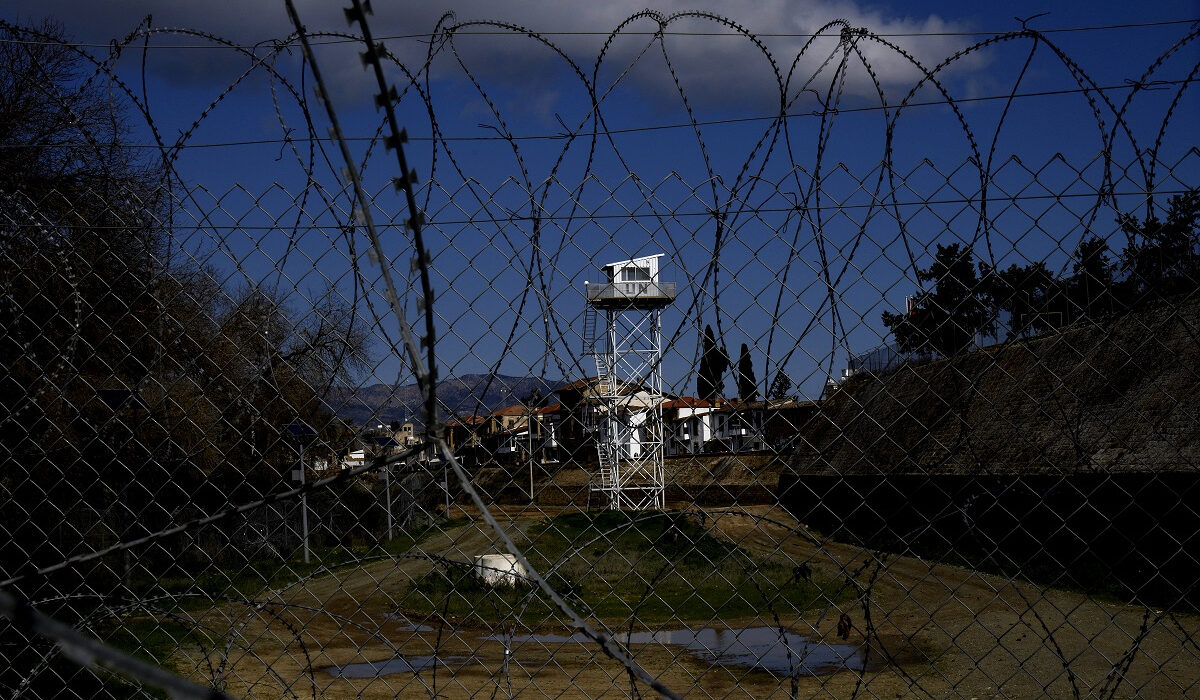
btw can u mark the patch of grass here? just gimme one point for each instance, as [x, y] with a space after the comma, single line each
[154, 638]
[616, 566]
[456, 591]
[151, 640]
[252, 578]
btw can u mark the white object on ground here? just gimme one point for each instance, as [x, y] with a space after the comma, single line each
[500, 569]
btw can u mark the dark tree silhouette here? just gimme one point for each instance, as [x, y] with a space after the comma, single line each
[95, 299]
[945, 319]
[714, 360]
[1034, 300]
[1163, 257]
[1091, 284]
[781, 386]
[747, 384]
[535, 399]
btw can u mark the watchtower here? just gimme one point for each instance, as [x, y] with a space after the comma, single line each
[628, 355]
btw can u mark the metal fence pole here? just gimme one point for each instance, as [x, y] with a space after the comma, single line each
[303, 507]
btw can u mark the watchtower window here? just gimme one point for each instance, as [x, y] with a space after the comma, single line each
[635, 274]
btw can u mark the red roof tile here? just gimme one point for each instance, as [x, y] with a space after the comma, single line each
[578, 384]
[688, 402]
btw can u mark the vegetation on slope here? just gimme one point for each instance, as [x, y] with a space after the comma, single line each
[648, 567]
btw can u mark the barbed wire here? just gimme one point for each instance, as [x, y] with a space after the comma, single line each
[88, 652]
[516, 218]
[198, 523]
[793, 35]
[539, 260]
[1133, 85]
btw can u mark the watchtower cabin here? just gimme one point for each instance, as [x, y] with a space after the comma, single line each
[628, 354]
[631, 284]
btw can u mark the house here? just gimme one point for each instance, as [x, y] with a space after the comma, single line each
[569, 430]
[507, 418]
[688, 423]
[739, 426]
[507, 435]
[519, 433]
[465, 438]
[698, 425]
[328, 466]
[582, 417]
[405, 434]
[578, 403]
[546, 421]
[631, 421]
[510, 445]
[695, 425]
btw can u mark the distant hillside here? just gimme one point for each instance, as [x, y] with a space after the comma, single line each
[471, 393]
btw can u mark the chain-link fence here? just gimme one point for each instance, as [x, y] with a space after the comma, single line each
[870, 418]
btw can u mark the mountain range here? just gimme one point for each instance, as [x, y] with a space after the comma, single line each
[465, 395]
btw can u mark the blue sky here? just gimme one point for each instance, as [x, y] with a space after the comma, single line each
[651, 191]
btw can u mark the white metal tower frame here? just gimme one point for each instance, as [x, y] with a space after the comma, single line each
[630, 436]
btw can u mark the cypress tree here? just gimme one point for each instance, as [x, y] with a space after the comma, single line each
[714, 360]
[747, 384]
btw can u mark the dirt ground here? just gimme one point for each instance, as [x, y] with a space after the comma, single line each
[933, 630]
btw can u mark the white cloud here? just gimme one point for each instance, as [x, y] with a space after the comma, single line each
[714, 70]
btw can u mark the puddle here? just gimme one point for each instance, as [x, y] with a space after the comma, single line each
[755, 648]
[407, 625]
[758, 648]
[400, 664]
